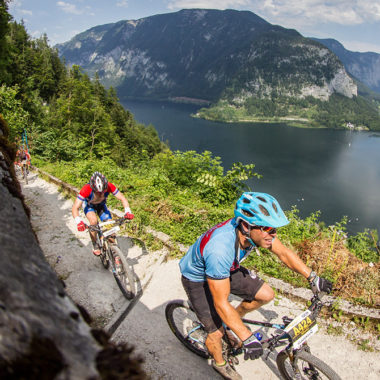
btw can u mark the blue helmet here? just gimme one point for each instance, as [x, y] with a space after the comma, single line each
[260, 209]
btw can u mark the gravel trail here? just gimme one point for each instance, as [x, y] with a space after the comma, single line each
[143, 323]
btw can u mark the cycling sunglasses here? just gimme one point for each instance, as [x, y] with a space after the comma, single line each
[269, 230]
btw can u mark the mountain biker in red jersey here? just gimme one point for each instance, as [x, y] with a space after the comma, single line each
[93, 198]
[23, 157]
[211, 270]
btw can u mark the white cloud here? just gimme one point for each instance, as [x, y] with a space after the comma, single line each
[15, 4]
[69, 8]
[208, 4]
[26, 12]
[296, 13]
[122, 3]
[311, 12]
[36, 34]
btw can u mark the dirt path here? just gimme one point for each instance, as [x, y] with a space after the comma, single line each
[143, 322]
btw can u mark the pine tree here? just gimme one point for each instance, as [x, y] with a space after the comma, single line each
[5, 17]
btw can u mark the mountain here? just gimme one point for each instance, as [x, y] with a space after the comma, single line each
[363, 66]
[207, 54]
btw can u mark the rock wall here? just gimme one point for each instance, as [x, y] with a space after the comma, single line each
[43, 334]
[342, 84]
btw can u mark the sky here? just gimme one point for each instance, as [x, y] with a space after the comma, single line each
[354, 23]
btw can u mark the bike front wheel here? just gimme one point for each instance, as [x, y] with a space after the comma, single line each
[307, 366]
[123, 274]
[25, 174]
[186, 327]
[104, 259]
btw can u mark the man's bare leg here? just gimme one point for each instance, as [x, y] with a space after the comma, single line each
[93, 220]
[214, 345]
[263, 296]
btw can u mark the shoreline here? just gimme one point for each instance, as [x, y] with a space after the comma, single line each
[290, 121]
[293, 122]
[187, 100]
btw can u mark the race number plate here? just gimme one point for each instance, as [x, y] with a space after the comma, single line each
[111, 231]
[302, 328]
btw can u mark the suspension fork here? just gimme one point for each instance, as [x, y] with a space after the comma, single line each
[100, 240]
[293, 357]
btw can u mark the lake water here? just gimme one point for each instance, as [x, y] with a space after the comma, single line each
[337, 172]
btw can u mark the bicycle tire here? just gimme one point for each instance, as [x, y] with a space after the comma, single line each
[24, 174]
[181, 319]
[125, 278]
[311, 368]
[104, 259]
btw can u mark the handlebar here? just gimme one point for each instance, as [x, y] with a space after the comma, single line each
[98, 227]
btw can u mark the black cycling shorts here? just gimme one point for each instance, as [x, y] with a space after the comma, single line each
[244, 284]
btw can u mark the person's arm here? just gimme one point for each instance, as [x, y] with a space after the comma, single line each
[76, 206]
[75, 212]
[220, 290]
[127, 210]
[290, 258]
[122, 199]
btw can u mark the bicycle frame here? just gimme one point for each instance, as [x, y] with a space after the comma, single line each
[286, 336]
[282, 338]
[102, 235]
[294, 360]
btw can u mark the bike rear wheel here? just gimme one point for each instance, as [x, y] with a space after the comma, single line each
[185, 325]
[123, 274]
[308, 367]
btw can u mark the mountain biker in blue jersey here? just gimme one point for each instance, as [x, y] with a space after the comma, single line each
[211, 270]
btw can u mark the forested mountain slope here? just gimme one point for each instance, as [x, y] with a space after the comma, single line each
[66, 114]
[199, 53]
[248, 68]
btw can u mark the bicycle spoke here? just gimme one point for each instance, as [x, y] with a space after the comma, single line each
[188, 325]
[306, 367]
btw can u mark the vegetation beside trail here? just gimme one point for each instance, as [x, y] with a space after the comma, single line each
[75, 126]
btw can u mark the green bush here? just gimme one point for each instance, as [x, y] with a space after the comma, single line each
[364, 245]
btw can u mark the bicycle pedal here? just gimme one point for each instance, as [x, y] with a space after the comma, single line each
[234, 361]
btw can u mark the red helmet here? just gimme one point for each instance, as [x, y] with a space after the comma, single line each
[98, 182]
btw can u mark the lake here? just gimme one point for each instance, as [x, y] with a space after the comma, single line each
[334, 171]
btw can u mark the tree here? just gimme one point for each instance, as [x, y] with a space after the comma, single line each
[13, 113]
[5, 17]
[48, 70]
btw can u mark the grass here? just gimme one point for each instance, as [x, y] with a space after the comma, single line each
[334, 330]
[364, 345]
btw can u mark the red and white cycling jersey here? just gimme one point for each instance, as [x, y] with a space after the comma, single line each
[88, 195]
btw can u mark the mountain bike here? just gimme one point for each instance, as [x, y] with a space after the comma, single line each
[112, 257]
[25, 171]
[295, 361]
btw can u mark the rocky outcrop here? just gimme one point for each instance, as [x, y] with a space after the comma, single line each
[341, 84]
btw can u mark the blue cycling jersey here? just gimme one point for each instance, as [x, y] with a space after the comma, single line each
[214, 254]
